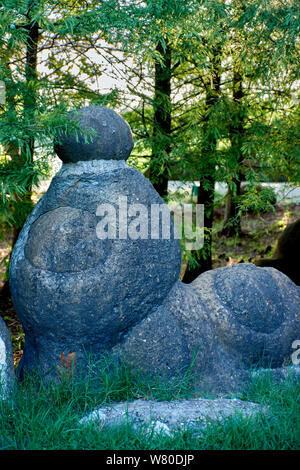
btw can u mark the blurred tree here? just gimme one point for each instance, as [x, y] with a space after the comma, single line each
[211, 99]
[261, 91]
[47, 67]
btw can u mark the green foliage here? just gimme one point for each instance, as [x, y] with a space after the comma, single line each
[46, 418]
[257, 199]
[46, 71]
[233, 98]
[264, 120]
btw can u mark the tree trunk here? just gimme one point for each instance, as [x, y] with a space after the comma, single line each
[206, 191]
[232, 218]
[161, 121]
[29, 100]
[203, 257]
[31, 81]
[26, 153]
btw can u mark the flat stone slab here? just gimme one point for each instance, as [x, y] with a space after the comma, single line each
[167, 416]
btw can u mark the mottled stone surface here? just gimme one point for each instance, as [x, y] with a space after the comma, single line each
[65, 240]
[254, 311]
[223, 338]
[108, 137]
[7, 375]
[74, 292]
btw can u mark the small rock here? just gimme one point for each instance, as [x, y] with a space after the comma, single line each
[7, 376]
[109, 137]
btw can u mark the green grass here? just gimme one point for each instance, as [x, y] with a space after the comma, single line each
[46, 417]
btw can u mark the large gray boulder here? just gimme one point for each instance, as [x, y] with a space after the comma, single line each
[231, 321]
[74, 292]
[81, 285]
[7, 375]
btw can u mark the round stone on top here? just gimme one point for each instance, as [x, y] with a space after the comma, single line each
[108, 137]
